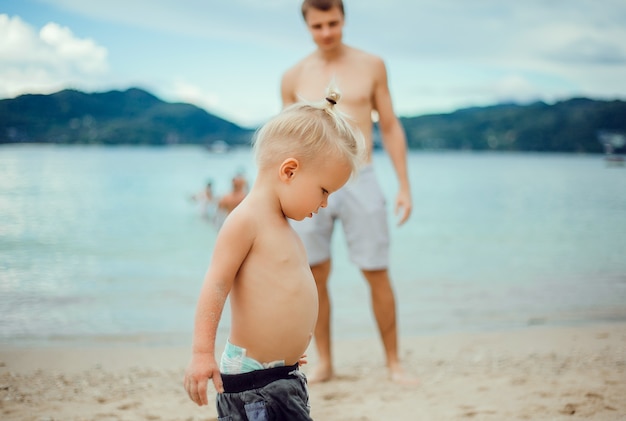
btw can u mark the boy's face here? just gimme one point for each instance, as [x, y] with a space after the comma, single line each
[326, 27]
[311, 186]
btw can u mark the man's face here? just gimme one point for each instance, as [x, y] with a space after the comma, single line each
[326, 27]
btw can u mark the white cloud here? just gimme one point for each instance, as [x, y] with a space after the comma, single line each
[193, 94]
[84, 54]
[46, 60]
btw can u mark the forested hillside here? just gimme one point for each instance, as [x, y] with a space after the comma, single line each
[567, 126]
[129, 117]
[138, 117]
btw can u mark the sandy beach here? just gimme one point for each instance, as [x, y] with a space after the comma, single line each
[538, 373]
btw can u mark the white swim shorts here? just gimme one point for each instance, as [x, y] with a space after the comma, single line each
[361, 207]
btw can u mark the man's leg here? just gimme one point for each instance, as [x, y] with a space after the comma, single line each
[324, 370]
[384, 308]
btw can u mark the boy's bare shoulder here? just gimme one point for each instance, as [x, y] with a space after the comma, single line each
[252, 216]
[240, 220]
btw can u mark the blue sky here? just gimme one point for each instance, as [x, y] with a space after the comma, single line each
[228, 56]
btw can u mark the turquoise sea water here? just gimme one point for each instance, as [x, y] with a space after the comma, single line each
[103, 244]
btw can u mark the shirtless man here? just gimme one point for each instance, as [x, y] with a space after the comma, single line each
[362, 78]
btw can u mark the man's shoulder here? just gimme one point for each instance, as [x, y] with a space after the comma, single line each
[298, 66]
[365, 57]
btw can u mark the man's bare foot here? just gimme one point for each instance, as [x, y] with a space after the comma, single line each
[399, 376]
[320, 374]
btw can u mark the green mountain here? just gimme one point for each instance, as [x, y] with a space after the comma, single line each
[568, 126]
[129, 117]
[138, 117]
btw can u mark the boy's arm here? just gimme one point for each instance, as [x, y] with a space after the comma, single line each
[394, 139]
[231, 247]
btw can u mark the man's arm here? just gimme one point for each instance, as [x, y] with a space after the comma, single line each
[394, 140]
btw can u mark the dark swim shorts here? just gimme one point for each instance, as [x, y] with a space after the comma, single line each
[278, 393]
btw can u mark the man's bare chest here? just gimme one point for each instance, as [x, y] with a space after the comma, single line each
[356, 87]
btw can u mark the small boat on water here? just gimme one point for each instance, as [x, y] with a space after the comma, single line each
[614, 147]
[218, 146]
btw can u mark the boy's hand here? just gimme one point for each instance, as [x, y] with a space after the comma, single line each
[202, 368]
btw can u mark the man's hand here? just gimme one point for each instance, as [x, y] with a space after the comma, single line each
[404, 206]
[202, 368]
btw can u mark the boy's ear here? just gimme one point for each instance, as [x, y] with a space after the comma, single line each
[288, 169]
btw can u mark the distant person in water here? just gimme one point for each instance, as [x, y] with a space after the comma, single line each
[227, 203]
[205, 200]
[215, 208]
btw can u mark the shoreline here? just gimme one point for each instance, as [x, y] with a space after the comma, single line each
[536, 373]
[183, 339]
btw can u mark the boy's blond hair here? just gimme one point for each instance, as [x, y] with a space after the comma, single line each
[308, 131]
